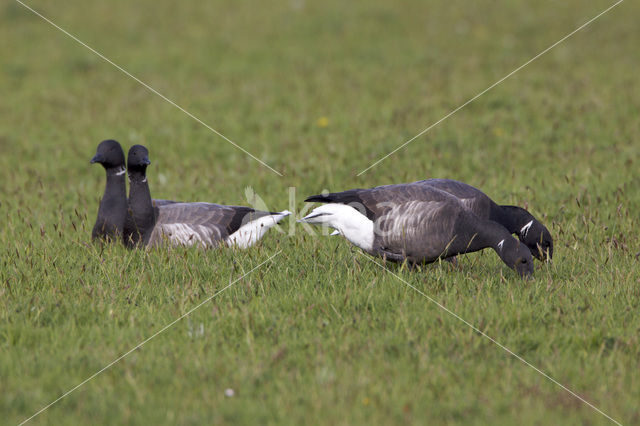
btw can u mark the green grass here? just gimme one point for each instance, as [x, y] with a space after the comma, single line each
[320, 334]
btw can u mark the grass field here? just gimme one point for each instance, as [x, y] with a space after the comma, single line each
[319, 91]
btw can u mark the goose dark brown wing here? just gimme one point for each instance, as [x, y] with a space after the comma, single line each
[471, 197]
[375, 202]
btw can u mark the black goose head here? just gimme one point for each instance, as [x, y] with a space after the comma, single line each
[517, 256]
[138, 159]
[109, 154]
[538, 238]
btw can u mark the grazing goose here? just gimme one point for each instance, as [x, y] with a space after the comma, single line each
[113, 206]
[152, 222]
[516, 219]
[415, 223]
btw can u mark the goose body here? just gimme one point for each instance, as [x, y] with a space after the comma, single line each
[113, 205]
[416, 223]
[208, 224]
[516, 219]
[156, 222]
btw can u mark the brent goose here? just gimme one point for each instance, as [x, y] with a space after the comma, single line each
[415, 223]
[113, 206]
[152, 222]
[516, 219]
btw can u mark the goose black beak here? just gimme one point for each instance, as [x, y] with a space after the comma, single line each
[96, 159]
[146, 161]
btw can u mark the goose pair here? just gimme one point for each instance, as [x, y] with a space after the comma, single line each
[142, 221]
[419, 222]
[423, 221]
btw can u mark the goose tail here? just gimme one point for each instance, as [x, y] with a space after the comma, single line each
[280, 215]
[251, 232]
[320, 199]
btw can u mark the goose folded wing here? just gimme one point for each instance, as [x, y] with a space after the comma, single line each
[472, 198]
[377, 202]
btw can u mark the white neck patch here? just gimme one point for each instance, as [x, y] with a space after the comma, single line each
[143, 180]
[500, 244]
[526, 228]
[121, 172]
